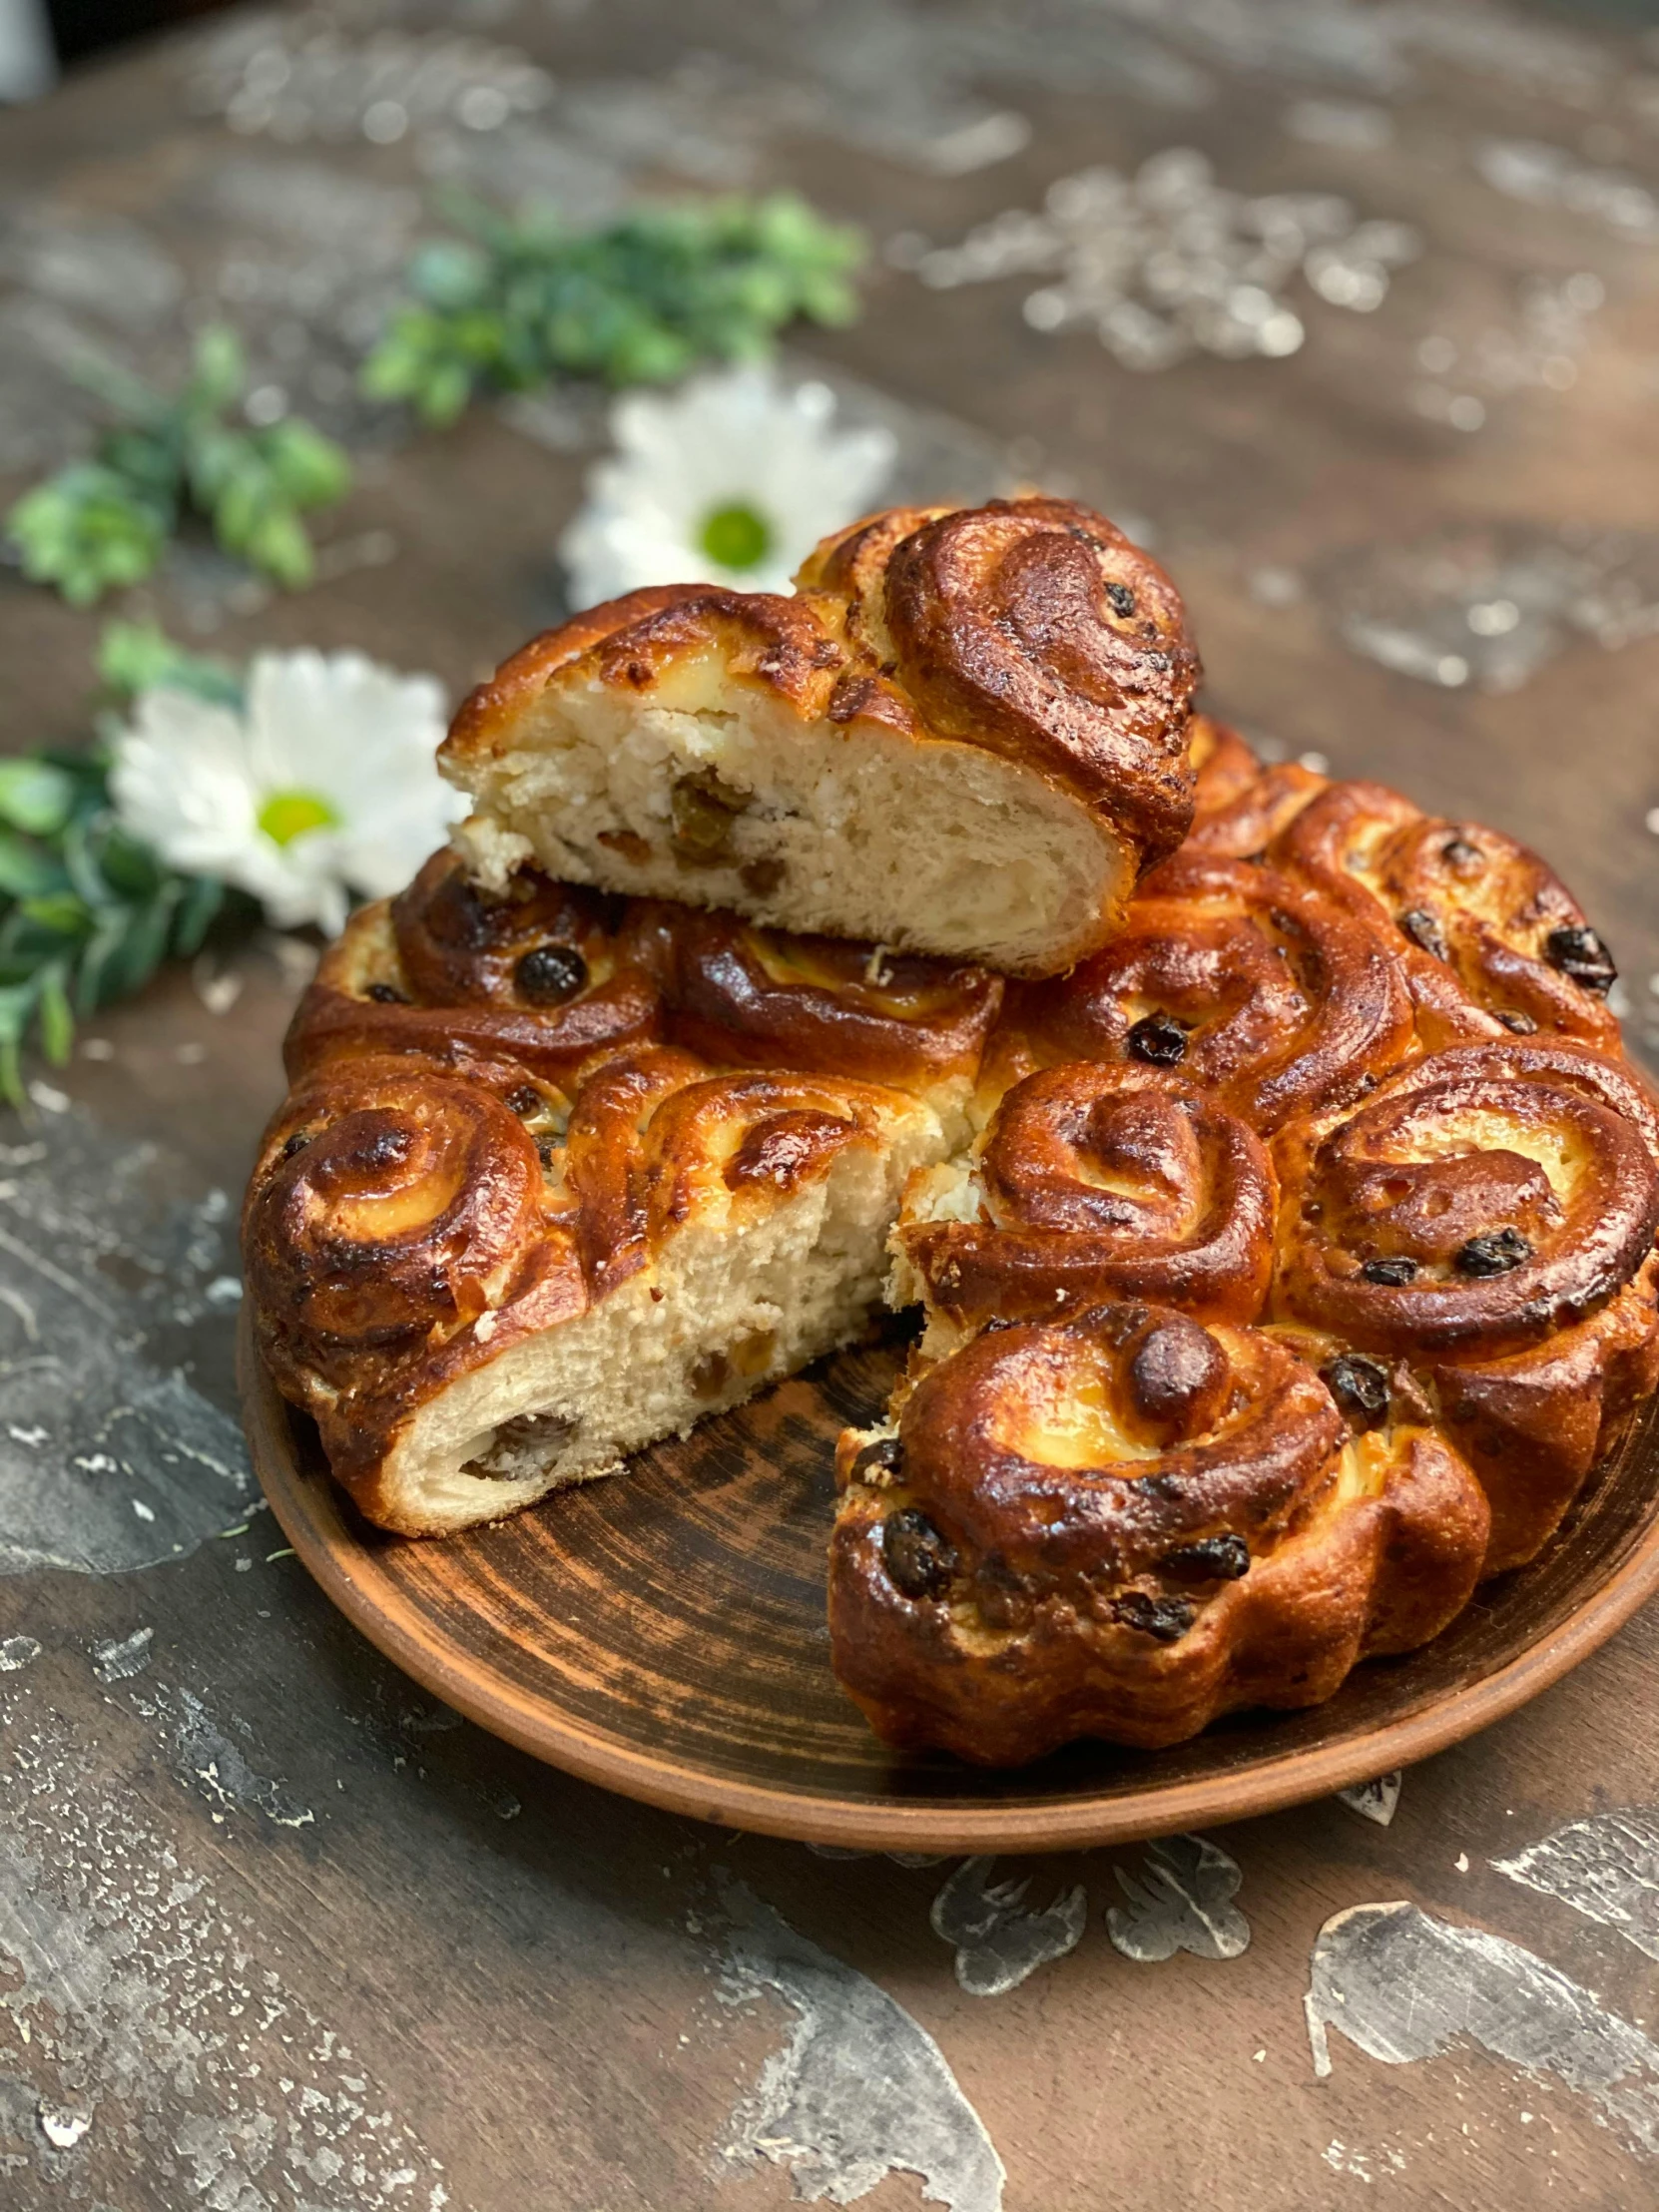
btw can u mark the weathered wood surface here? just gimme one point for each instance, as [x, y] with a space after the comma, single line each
[286, 1934]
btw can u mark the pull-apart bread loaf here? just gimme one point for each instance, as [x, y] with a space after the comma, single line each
[1284, 1230]
[966, 733]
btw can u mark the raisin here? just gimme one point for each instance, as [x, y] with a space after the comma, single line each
[1390, 1271]
[1424, 930]
[1496, 1252]
[1464, 858]
[1159, 1038]
[704, 808]
[1581, 953]
[1121, 600]
[1212, 1559]
[762, 878]
[551, 974]
[918, 1559]
[1360, 1386]
[1165, 1619]
[297, 1143]
[387, 994]
[1522, 1024]
[525, 1101]
[883, 1458]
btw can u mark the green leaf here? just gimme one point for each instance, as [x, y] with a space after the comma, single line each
[56, 1022]
[35, 796]
[60, 913]
[641, 300]
[87, 530]
[26, 871]
[218, 372]
[101, 524]
[135, 657]
[204, 897]
[311, 470]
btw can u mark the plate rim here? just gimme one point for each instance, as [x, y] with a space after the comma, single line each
[1084, 1821]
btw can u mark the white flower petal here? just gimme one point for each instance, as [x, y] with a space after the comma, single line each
[190, 780]
[732, 439]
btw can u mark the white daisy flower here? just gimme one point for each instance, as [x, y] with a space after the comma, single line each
[322, 783]
[733, 479]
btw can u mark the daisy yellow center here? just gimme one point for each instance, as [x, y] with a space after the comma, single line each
[288, 815]
[736, 536]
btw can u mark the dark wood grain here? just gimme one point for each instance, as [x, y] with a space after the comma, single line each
[662, 1632]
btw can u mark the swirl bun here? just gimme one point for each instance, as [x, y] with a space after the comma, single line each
[737, 992]
[389, 1201]
[1487, 1196]
[1098, 1182]
[1122, 1524]
[1278, 1000]
[1241, 806]
[1486, 925]
[538, 981]
[965, 734]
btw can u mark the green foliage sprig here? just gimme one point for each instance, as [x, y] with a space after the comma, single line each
[87, 913]
[520, 301]
[104, 522]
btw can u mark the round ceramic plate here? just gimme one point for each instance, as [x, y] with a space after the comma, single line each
[663, 1633]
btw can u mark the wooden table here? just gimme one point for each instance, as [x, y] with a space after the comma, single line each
[275, 1932]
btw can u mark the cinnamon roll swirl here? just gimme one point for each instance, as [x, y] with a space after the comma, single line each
[736, 992]
[1491, 938]
[1122, 1524]
[536, 979]
[1484, 1228]
[1278, 1000]
[1095, 1181]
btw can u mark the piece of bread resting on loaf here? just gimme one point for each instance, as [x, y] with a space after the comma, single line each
[1286, 1267]
[965, 735]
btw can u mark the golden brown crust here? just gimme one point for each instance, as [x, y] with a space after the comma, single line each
[1124, 1525]
[1291, 1284]
[1279, 1001]
[1106, 1181]
[1486, 1197]
[734, 991]
[627, 643]
[1035, 628]
[1483, 922]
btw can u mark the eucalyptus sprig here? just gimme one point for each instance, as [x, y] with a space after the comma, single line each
[102, 523]
[517, 301]
[87, 913]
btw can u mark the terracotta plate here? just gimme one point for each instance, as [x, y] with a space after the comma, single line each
[663, 1633]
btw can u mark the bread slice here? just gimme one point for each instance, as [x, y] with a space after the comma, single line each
[966, 734]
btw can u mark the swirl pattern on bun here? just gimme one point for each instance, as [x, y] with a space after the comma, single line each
[1487, 1196]
[1494, 939]
[737, 992]
[1096, 1180]
[965, 734]
[1279, 1001]
[1122, 1524]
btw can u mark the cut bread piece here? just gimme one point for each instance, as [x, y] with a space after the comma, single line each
[965, 734]
[716, 1316]
[485, 1289]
